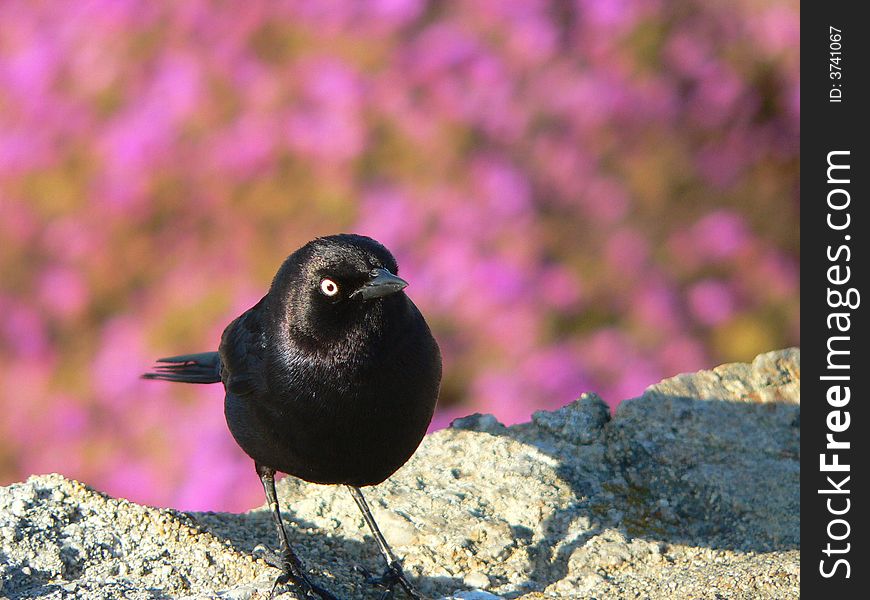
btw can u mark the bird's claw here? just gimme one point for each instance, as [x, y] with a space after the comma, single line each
[388, 580]
[303, 587]
[270, 557]
[291, 574]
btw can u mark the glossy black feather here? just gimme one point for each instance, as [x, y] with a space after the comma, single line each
[332, 390]
[204, 367]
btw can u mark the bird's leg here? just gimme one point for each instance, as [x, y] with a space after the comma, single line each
[291, 567]
[394, 573]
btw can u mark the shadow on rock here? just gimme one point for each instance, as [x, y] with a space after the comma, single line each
[335, 561]
[708, 460]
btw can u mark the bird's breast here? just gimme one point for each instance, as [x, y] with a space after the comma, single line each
[351, 418]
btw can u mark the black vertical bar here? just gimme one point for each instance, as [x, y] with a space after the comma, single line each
[834, 227]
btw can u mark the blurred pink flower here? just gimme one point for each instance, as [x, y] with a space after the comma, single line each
[217, 471]
[132, 478]
[683, 355]
[390, 216]
[327, 124]
[534, 38]
[500, 394]
[22, 404]
[579, 192]
[504, 189]
[559, 288]
[18, 223]
[609, 14]
[118, 364]
[634, 381]
[395, 12]
[68, 421]
[30, 66]
[720, 234]
[627, 251]
[62, 291]
[717, 95]
[24, 331]
[776, 29]
[246, 148]
[711, 302]
[605, 201]
[21, 151]
[557, 375]
[688, 52]
[656, 305]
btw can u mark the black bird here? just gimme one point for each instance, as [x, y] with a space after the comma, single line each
[332, 377]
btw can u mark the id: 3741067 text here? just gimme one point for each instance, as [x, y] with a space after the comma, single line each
[835, 69]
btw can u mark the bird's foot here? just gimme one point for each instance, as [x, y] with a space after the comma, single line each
[303, 587]
[292, 574]
[388, 579]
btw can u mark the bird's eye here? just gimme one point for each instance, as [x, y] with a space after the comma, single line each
[328, 287]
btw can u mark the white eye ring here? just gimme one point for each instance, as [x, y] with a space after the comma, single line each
[328, 287]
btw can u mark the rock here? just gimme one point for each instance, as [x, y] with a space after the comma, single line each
[580, 422]
[472, 595]
[690, 490]
[476, 580]
[478, 422]
[719, 463]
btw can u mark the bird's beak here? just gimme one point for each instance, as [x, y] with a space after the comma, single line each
[382, 283]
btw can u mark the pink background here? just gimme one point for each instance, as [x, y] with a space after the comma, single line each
[587, 195]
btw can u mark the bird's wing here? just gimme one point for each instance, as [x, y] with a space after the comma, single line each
[242, 352]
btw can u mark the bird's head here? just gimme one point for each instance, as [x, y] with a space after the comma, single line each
[337, 286]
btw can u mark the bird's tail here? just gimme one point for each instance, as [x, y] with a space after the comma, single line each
[204, 367]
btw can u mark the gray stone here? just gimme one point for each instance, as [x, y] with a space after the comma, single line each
[689, 491]
[580, 422]
[478, 422]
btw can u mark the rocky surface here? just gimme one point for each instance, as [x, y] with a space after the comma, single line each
[690, 491]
